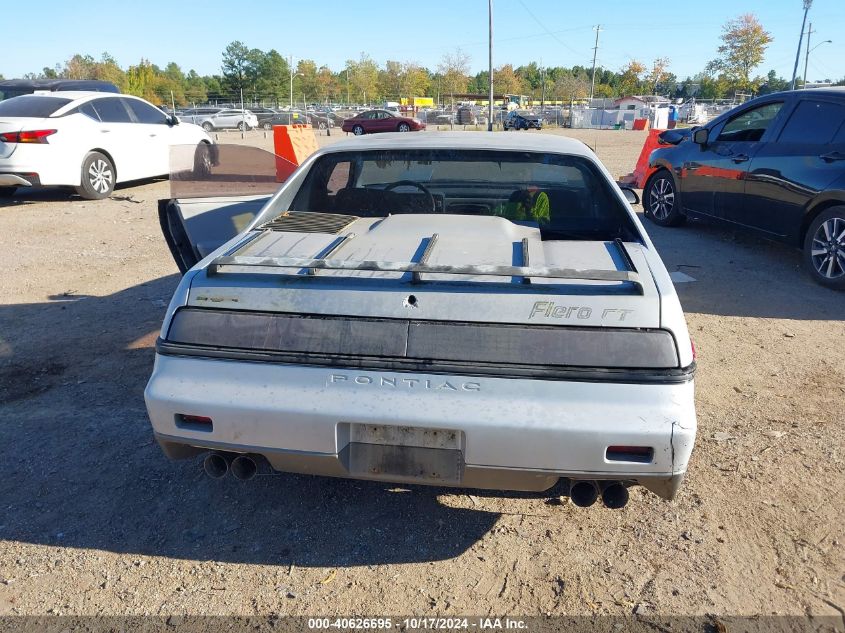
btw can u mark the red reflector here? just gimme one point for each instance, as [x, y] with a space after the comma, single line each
[28, 136]
[194, 419]
[692, 345]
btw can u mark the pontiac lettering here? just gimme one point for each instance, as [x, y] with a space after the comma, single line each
[392, 382]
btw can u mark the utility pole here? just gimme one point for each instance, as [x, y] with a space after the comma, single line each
[347, 86]
[290, 65]
[807, 5]
[490, 60]
[807, 55]
[595, 52]
[543, 93]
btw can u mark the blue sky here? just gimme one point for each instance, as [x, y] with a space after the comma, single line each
[555, 32]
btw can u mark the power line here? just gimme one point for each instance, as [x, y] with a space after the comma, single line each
[543, 26]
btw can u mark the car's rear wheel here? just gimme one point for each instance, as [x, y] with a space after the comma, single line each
[661, 200]
[357, 130]
[98, 177]
[7, 192]
[243, 127]
[824, 248]
[203, 160]
[404, 127]
[267, 126]
[207, 126]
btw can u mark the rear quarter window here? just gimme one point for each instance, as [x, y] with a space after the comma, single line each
[31, 106]
[814, 122]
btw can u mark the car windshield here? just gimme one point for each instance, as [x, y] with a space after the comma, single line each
[31, 106]
[565, 196]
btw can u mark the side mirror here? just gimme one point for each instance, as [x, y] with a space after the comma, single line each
[699, 137]
[173, 120]
[630, 195]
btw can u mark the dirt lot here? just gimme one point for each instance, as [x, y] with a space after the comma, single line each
[94, 520]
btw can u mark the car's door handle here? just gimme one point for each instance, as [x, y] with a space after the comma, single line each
[740, 158]
[692, 166]
[151, 135]
[105, 131]
[832, 156]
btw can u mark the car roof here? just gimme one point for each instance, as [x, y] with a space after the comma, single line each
[54, 84]
[552, 143]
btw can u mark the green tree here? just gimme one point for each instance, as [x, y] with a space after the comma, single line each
[273, 76]
[239, 66]
[744, 43]
[657, 75]
[363, 79]
[630, 78]
[454, 72]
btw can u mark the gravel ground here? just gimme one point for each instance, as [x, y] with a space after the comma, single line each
[94, 520]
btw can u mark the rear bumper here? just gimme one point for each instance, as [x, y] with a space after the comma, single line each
[20, 179]
[517, 434]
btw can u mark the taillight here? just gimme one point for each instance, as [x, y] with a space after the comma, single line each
[29, 136]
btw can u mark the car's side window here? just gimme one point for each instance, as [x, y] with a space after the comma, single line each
[751, 124]
[112, 110]
[88, 110]
[814, 122]
[145, 113]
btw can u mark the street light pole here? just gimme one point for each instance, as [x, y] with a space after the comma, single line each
[490, 62]
[810, 50]
[595, 52]
[807, 5]
[290, 65]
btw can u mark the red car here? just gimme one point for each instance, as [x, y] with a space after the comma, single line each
[374, 121]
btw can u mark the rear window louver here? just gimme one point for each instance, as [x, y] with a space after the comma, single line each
[306, 222]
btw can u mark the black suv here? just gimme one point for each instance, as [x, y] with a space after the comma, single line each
[775, 165]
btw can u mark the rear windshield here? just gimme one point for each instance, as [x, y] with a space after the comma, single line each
[31, 106]
[565, 196]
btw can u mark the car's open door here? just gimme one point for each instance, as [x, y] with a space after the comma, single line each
[215, 192]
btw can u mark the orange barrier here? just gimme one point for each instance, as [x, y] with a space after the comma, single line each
[640, 124]
[641, 172]
[292, 144]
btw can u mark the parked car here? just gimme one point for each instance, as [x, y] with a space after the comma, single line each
[262, 115]
[18, 87]
[775, 165]
[225, 119]
[196, 115]
[88, 140]
[516, 120]
[295, 117]
[374, 121]
[458, 309]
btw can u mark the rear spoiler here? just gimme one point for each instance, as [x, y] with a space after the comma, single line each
[526, 272]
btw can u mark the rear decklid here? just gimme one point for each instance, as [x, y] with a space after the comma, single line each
[431, 267]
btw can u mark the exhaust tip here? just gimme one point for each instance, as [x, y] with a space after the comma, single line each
[614, 495]
[584, 493]
[244, 468]
[215, 466]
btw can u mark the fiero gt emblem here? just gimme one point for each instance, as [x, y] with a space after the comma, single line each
[393, 382]
[550, 310]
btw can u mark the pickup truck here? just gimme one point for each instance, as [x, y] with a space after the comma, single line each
[458, 309]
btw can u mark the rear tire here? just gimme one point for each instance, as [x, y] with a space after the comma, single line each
[98, 177]
[824, 248]
[268, 126]
[203, 160]
[207, 126]
[358, 130]
[662, 201]
[7, 192]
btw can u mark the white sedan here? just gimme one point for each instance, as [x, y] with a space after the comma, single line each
[90, 141]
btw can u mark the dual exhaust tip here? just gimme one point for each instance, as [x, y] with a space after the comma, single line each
[243, 467]
[584, 493]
